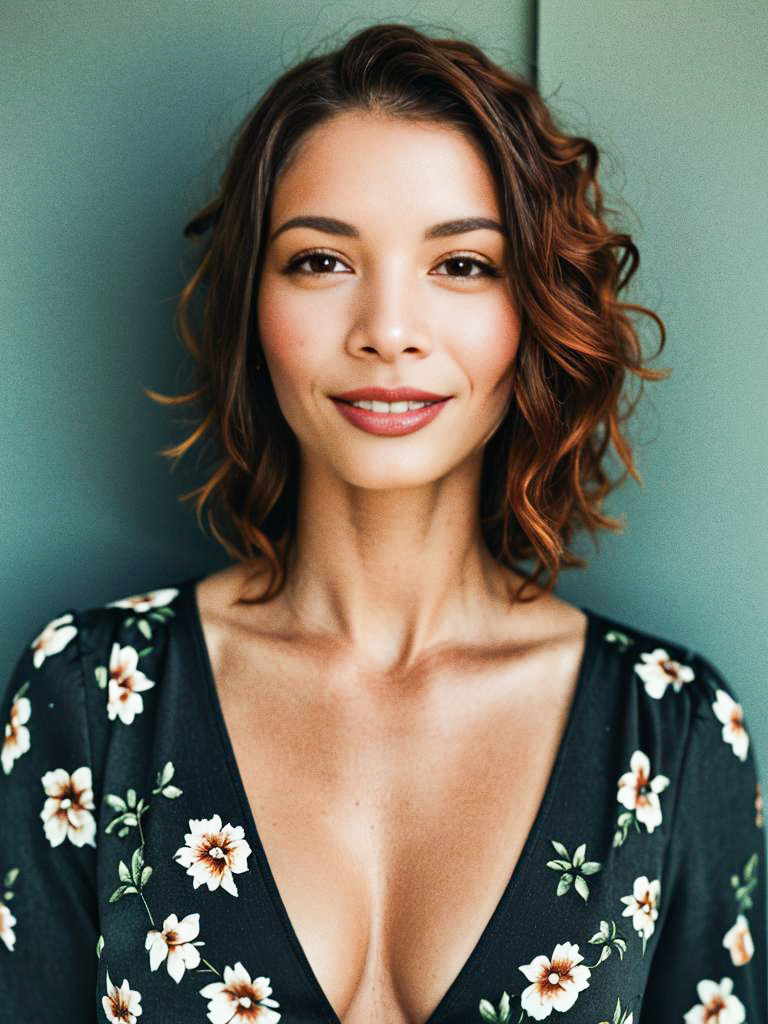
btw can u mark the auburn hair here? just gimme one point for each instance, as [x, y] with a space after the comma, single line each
[544, 472]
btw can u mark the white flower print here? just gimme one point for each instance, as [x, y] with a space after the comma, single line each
[144, 602]
[67, 811]
[7, 921]
[16, 740]
[639, 793]
[125, 683]
[643, 905]
[213, 853]
[738, 941]
[238, 998]
[556, 981]
[718, 1004]
[53, 638]
[660, 670]
[174, 944]
[121, 1004]
[731, 714]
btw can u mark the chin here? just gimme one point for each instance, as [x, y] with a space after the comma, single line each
[382, 474]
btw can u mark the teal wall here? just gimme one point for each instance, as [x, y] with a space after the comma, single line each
[678, 93]
[116, 114]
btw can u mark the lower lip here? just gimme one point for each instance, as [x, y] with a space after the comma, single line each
[389, 424]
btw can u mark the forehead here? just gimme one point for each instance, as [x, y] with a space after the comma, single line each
[362, 162]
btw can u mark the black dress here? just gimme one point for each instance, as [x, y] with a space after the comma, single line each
[135, 883]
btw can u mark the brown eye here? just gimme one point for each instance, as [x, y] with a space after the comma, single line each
[319, 261]
[466, 263]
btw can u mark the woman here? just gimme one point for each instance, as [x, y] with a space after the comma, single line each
[475, 801]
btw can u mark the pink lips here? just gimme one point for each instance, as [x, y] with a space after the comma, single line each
[390, 424]
[390, 395]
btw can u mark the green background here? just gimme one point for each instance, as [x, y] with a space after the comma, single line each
[114, 118]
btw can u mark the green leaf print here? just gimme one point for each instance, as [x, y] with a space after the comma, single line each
[10, 877]
[619, 1016]
[622, 641]
[120, 892]
[131, 809]
[581, 887]
[163, 778]
[133, 879]
[625, 819]
[609, 939]
[573, 869]
[493, 1016]
[744, 886]
[20, 692]
[137, 862]
[565, 883]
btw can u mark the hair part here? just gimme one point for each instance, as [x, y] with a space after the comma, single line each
[544, 472]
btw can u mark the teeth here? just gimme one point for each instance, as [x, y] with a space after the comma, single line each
[390, 406]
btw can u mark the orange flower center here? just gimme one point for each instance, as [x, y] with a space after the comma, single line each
[712, 1009]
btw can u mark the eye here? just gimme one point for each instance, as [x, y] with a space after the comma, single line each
[485, 269]
[322, 261]
[319, 257]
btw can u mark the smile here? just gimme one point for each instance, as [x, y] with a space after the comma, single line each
[381, 419]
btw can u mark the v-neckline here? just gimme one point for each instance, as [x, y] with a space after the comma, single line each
[187, 589]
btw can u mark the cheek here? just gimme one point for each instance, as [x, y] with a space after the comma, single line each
[289, 339]
[491, 345]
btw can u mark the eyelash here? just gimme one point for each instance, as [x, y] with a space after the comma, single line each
[487, 269]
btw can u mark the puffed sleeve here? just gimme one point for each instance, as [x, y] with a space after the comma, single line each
[710, 961]
[48, 905]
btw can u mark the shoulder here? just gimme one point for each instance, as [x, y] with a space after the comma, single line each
[124, 644]
[696, 700]
[72, 632]
[131, 615]
[663, 664]
[73, 664]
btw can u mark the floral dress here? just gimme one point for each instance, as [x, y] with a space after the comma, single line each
[134, 882]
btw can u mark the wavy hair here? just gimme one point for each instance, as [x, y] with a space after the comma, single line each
[544, 472]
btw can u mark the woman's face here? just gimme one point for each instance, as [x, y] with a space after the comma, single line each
[386, 301]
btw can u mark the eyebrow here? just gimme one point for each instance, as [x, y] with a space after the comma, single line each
[339, 227]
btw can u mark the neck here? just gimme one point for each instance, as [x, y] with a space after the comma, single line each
[390, 574]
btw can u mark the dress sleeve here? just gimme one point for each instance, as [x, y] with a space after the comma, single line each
[710, 961]
[48, 904]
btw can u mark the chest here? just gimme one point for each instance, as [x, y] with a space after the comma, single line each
[392, 819]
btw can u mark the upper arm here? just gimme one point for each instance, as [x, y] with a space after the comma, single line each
[48, 901]
[712, 945]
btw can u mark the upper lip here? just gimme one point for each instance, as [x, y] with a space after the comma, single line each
[389, 395]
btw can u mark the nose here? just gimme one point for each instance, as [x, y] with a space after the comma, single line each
[390, 319]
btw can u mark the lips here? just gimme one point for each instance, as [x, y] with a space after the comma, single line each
[390, 424]
[389, 395]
